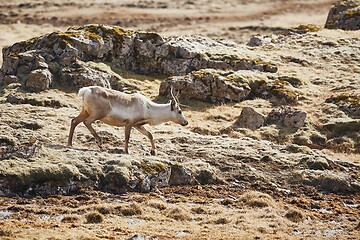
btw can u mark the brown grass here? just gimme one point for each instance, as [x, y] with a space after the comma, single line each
[178, 214]
[94, 217]
[5, 233]
[222, 220]
[294, 215]
[256, 199]
[130, 210]
[70, 219]
[157, 205]
[198, 210]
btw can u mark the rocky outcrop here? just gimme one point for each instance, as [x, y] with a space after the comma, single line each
[212, 85]
[344, 15]
[62, 57]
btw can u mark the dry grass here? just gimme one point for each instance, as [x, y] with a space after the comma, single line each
[70, 219]
[94, 217]
[256, 199]
[5, 232]
[157, 205]
[178, 214]
[222, 220]
[130, 210]
[294, 215]
[198, 210]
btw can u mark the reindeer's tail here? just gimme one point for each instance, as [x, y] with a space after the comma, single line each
[83, 91]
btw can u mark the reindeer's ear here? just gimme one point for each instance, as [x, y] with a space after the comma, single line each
[172, 105]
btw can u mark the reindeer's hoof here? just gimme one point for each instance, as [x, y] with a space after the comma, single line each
[152, 152]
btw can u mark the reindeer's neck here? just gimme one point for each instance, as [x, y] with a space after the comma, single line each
[159, 113]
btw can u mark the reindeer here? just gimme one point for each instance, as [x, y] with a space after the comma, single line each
[120, 109]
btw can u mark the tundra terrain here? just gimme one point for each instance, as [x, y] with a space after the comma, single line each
[274, 182]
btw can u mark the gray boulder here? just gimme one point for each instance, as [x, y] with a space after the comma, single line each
[344, 15]
[249, 118]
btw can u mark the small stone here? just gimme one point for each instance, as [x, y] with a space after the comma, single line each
[255, 41]
[249, 118]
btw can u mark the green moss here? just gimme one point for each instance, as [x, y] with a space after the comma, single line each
[103, 31]
[258, 61]
[351, 14]
[284, 90]
[345, 98]
[217, 56]
[203, 73]
[253, 80]
[294, 81]
[152, 167]
[293, 148]
[14, 55]
[307, 28]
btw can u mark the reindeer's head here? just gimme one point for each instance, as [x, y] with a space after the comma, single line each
[176, 110]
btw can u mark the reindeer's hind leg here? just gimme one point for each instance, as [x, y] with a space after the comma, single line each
[74, 122]
[143, 130]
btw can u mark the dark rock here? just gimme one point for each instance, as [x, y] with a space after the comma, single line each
[255, 41]
[249, 118]
[180, 176]
[7, 140]
[344, 15]
[281, 90]
[116, 179]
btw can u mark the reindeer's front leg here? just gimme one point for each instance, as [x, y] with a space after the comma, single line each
[127, 137]
[143, 130]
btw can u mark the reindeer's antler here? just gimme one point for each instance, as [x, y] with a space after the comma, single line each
[172, 94]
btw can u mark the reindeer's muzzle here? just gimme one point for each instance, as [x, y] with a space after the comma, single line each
[184, 123]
